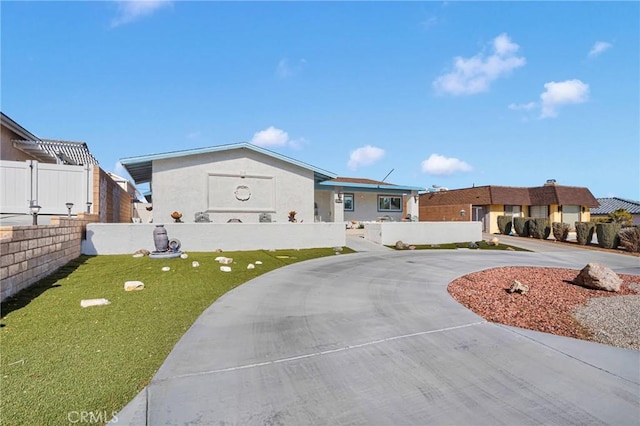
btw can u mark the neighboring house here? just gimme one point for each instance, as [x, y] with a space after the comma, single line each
[51, 173]
[559, 203]
[247, 183]
[611, 204]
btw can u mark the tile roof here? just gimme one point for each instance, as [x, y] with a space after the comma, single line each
[611, 204]
[508, 195]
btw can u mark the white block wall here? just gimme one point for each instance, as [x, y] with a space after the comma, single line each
[107, 238]
[388, 233]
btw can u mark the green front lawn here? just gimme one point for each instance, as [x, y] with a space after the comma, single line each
[59, 359]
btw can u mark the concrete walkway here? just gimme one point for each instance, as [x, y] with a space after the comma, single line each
[375, 339]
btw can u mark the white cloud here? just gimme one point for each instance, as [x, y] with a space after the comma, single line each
[286, 70]
[271, 136]
[132, 10]
[598, 48]
[364, 156]
[561, 93]
[526, 107]
[440, 165]
[474, 75]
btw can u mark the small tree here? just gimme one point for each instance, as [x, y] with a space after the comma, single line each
[621, 216]
[539, 228]
[560, 231]
[608, 235]
[504, 224]
[520, 224]
[584, 232]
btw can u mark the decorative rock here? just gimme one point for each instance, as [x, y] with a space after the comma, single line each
[412, 247]
[218, 250]
[400, 245]
[510, 249]
[251, 266]
[93, 302]
[166, 268]
[225, 268]
[258, 262]
[224, 260]
[138, 255]
[184, 256]
[133, 285]
[337, 248]
[495, 241]
[195, 264]
[598, 277]
[518, 287]
[142, 252]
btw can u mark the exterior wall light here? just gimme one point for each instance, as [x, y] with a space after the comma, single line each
[89, 206]
[69, 206]
[463, 213]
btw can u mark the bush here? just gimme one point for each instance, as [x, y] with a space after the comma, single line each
[520, 224]
[539, 228]
[584, 232]
[560, 231]
[621, 216]
[630, 238]
[608, 235]
[504, 224]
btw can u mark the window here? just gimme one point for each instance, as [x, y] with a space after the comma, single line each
[348, 202]
[387, 203]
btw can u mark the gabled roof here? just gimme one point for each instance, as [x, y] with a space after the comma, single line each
[360, 183]
[16, 128]
[140, 168]
[58, 152]
[508, 195]
[611, 204]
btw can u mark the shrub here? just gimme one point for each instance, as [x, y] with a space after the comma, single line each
[630, 238]
[560, 231]
[608, 235]
[520, 224]
[504, 224]
[539, 228]
[584, 232]
[621, 216]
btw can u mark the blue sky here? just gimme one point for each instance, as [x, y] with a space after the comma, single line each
[452, 94]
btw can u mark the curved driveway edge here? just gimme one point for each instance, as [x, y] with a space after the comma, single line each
[374, 338]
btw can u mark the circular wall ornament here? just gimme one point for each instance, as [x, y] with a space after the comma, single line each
[242, 193]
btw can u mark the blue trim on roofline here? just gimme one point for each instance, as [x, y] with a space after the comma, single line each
[371, 187]
[143, 162]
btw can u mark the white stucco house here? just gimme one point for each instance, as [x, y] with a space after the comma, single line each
[246, 183]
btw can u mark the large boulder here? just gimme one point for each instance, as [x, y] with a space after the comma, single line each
[598, 277]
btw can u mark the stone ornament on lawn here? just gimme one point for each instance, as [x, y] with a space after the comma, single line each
[133, 285]
[598, 277]
[518, 287]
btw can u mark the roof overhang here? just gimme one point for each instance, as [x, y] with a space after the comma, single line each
[367, 187]
[141, 168]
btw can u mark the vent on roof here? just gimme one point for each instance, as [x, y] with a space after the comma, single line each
[550, 182]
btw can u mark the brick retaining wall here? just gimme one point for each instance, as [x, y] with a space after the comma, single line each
[30, 253]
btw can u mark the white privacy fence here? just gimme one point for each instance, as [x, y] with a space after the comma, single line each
[388, 233]
[50, 186]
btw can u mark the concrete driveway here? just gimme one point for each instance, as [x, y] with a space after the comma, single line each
[375, 339]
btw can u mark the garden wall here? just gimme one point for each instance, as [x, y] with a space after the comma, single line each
[105, 238]
[32, 252]
[388, 233]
